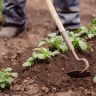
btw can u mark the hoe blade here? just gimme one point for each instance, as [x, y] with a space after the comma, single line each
[78, 74]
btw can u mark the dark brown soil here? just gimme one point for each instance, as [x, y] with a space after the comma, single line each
[47, 78]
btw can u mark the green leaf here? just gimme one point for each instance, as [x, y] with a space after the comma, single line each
[93, 21]
[52, 40]
[52, 35]
[9, 80]
[1, 80]
[94, 79]
[37, 49]
[84, 29]
[41, 43]
[14, 74]
[55, 53]
[90, 35]
[27, 64]
[71, 34]
[44, 49]
[63, 47]
[34, 56]
[3, 85]
[8, 69]
[41, 56]
[83, 45]
[31, 59]
[47, 40]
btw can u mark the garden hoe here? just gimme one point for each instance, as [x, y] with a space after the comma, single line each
[66, 38]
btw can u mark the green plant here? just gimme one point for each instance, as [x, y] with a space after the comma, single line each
[93, 21]
[56, 41]
[30, 61]
[60, 45]
[78, 42]
[92, 31]
[7, 77]
[41, 54]
[89, 31]
[1, 5]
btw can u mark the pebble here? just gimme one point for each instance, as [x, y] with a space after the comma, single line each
[54, 89]
[17, 87]
[16, 95]
[6, 95]
[45, 89]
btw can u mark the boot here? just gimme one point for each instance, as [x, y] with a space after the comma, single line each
[8, 32]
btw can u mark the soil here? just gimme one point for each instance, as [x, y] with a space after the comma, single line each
[47, 78]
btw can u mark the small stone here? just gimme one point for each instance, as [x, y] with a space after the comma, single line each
[16, 87]
[14, 56]
[54, 89]
[32, 89]
[16, 95]
[45, 89]
[39, 94]
[6, 95]
[25, 81]
[62, 69]
[94, 15]
[87, 92]
[81, 88]
[3, 54]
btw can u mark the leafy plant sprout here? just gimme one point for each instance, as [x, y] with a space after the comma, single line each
[58, 42]
[41, 54]
[89, 31]
[78, 42]
[7, 77]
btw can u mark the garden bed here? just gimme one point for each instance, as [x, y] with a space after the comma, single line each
[44, 78]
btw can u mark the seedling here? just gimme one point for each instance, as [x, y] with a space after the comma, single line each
[7, 77]
[89, 31]
[55, 41]
[30, 61]
[78, 42]
[41, 54]
[58, 42]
